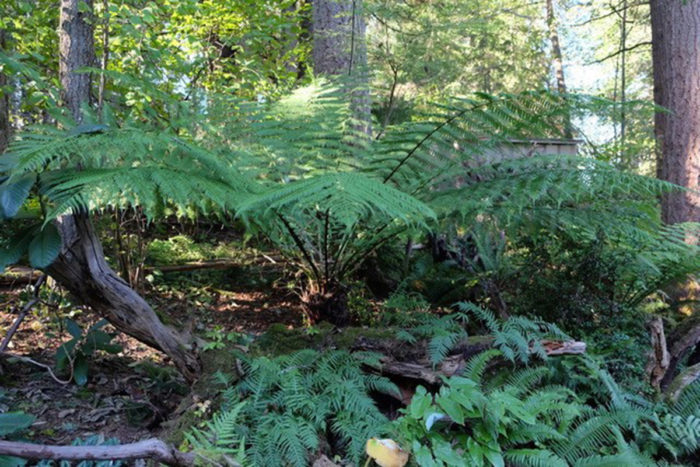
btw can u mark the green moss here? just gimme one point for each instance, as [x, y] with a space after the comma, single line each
[278, 340]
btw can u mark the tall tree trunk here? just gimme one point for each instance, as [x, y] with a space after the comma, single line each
[675, 29]
[623, 77]
[5, 127]
[339, 48]
[557, 59]
[81, 267]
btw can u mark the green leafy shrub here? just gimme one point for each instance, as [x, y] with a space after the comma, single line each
[515, 419]
[75, 354]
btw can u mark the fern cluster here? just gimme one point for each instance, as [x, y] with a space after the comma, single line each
[292, 404]
[218, 441]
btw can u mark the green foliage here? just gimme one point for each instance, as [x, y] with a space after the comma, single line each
[289, 404]
[182, 248]
[219, 441]
[517, 337]
[442, 333]
[13, 422]
[518, 419]
[292, 170]
[75, 353]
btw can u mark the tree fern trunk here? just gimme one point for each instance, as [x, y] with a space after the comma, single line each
[81, 267]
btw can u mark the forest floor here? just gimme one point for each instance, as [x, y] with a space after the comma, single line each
[129, 394]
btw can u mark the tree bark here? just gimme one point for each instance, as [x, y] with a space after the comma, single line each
[339, 48]
[76, 49]
[5, 127]
[81, 267]
[675, 29]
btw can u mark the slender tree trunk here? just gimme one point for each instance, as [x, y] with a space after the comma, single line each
[81, 267]
[557, 60]
[5, 127]
[623, 77]
[676, 58]
[339, 48]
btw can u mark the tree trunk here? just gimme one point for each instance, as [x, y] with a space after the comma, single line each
[76, 49]
[5, 127]
[81, 267]
[339, 48]
[557, 60]
[675, 28]
[676, 59]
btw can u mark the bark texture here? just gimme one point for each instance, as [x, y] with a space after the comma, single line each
[5, 127]
[76, 48]
[339, 48]
[81, 267]
[676, 59]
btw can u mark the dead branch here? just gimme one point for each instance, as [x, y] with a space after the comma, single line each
[619, 51]
[41, 365]
[148, 449]
[23, 313]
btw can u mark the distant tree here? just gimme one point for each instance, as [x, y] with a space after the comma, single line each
[557, 58]
[339, 48]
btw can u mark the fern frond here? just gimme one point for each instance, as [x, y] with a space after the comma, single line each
[534, 458]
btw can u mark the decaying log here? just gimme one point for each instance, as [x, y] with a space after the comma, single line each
[423, 371]
[148, 449]
[682, 381]
[659, 358]
[195, 265]
[18, 276]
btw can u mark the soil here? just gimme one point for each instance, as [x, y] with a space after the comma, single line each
[129, 394]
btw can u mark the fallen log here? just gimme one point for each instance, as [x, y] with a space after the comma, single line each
[422, 371]
[154, 449]
[18, 275]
